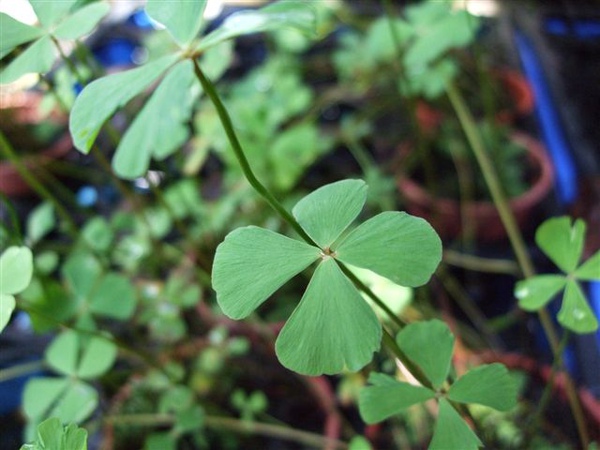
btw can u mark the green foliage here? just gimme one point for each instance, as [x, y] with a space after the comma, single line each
[154, 134]
[562, 241]
[64, 21]
[332, 328]
[40, 222]
[16, 269]
[51, 435]
[429, 345]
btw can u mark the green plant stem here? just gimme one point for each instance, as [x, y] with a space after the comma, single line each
[20, 370]
[391, 344]
[39, 188]
[68, 62]
[363, 287]
[13, 217]
[236, 425]
[547, 393]
[478, 264]
[516, 239]
[210, 90]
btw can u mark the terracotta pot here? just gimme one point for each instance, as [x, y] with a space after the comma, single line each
[517, 87]
[23, 109]
[445, 213]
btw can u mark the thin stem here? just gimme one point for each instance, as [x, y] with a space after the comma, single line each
[547, 394]
[210, 90]
[236, 425]
[68, 62]
[13, 217]
[391, 344]
[39, 188]
[20, 370]
[478, 264]
[516, 239]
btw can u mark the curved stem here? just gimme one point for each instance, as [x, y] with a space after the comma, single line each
[39, 188]
[516, 240]
[210, 90]
[235, 425]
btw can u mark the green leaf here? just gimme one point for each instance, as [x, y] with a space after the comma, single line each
[590, 270]
[332, 328]
[99, 100]
[82, 271]
[575, 313]
[40, 394]
[51, 435]
[377, 403]
[46, 262]
[533, 293]
[561, 241]
[176, 399]
[113, 297]
[395, 245]
[78, 402]
[160, 128]
[429, 345]
[182, 18]
[451, 431]
[97, 234]
[97, 358]
[48, 13]
[14, 33]
[252, 263]
[216, 60]
[490, 385]
[161, 441]
[325, 213]
[16, 269]
[359, 443]
[292, 151]
[7, 306]
[40, 222]
[189, 420]
[37, 58]
[72, 355]
[82, 21]
[277, 15]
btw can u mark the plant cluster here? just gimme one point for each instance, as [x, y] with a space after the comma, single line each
[143, 300]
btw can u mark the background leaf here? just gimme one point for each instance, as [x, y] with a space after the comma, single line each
[326, 212]
[100, 99]
[533, 293]
[14, 33]
[82, 271]
[332, 328]
[377, 403]
[113, 297]
[490, 385]
[272, 17]
[7, 306]
[97, 234]
[252, 263]
[395, 245]
[561, 241]
[451, 431]
[182, 18]
[41, 393]
[590, 270]
[16, 269]
[575, 313]
[429, 345]
[40, 222]
[82, 21]
[37, 58]
[48, 13]
[160, 128]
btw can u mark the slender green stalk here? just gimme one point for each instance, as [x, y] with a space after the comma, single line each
[68, 62]
[516, 239]
[210, 90]
[13, 217]
[20, 370]
[39, 188]
[416, 372]
[478, 264]
[547, 394]
[236, 425]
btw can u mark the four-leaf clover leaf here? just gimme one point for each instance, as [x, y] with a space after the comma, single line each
[333, 327]
[563, 244]
[429, 345]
